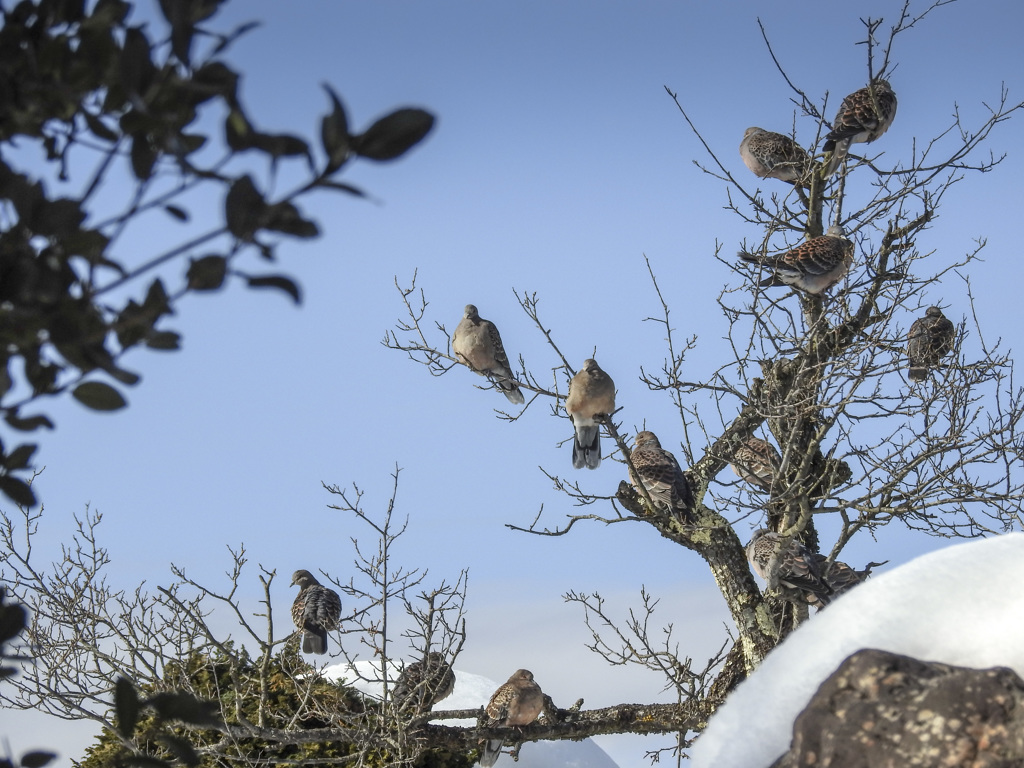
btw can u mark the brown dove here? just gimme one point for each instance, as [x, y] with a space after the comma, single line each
[840, 576]
[477, 343]
[863, 116]
[785, 562]
[757, 462]
[658, 471]
[930, 339]
[812, 266]
[518, 702]
[774, 156]
[591, 393]
[316, 611]
[424, 683]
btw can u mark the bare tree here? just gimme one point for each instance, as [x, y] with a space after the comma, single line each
[818, 373]
[87, 636]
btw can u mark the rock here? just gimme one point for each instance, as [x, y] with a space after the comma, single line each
[884, 710]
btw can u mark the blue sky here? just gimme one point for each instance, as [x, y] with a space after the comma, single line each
[558, 161]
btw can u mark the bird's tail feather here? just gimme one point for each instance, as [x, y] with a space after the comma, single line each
[586, 447]
[489, 752]
[512, 392]
[314, 642]
[839, 150]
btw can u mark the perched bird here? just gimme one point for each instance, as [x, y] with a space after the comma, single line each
[840, 576]
[774, 156]
[812, 266]
[591, 393]
[930, 339]
[757, 462]
[518, 702]
[424, 683]
[863, 116]
[658, 471]
[316, 611]
[787, 563]
[477, 343]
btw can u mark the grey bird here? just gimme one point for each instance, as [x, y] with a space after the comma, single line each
[785, 562]
[424, 683]
[840, 576]
[812, 266]
[863, 116]
[517, 702]
[774, 156]
[477, 343]
[316, 611]
[591, 393]
[659, 473]
[930, 339]
[757, 462]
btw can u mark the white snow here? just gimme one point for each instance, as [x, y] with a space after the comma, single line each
[473, 691]
[962, 605]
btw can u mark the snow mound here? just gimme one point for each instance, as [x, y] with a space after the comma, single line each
[473, 691]
[961, 605]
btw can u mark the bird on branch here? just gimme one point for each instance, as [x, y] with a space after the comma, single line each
[785, 562]
[863, 116]
[659, 473]
[930, 339]
[517, 702]
[316, 611]
[591, 394]
[812, 266]
[477, 343]
[774, 156]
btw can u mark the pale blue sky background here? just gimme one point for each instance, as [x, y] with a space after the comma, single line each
[557, 161]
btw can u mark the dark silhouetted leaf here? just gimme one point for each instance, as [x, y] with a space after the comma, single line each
[392, 136]
[99, 396]
[143, 157]
[243, 208]
[125, 377]
[28, 423]
[334, 133]
[164, 341]
[187, 143]
[136, 67]
[186, 708]
[36, 759]
[179, 15]
[280, 145]
[341, 187]
[216, 78]
[180, 748]
[207, 273]
[235, 34]
[126, 705]
[12, 621]
[57, 218]
[20, 457]
[17, 491]
[285, 217]
[99, 129]
[179, 213]
[238, 130]
[157, 303]
[111, 11]
[279, 282]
